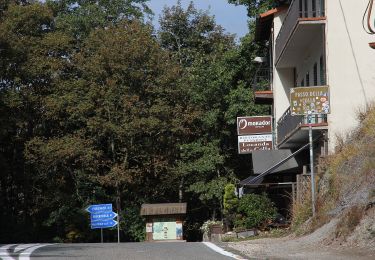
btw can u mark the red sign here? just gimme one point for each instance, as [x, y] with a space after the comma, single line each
[249, 143]
[248, 125]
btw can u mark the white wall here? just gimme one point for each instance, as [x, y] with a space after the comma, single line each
[350, 65]
[282, 78]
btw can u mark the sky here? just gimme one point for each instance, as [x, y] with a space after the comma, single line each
[232, 18]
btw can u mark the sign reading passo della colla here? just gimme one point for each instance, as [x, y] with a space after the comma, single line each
[309, 100]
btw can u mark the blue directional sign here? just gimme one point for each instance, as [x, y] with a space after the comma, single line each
[103, 224]
[99, 208]
[103, 216]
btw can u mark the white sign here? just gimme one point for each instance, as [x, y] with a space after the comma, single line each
[249, 143]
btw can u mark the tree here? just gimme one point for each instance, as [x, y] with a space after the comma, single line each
[80, 17]
[255, 7]
[254, 211]
[230, 203]
[110, 122]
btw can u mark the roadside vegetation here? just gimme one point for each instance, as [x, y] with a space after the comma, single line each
[96, 106]
[346, 185]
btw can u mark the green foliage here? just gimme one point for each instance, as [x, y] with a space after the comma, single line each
[254, 211]
[132, 224]
[254, 7]
[230, 204]
[95, 108]
[230, 199]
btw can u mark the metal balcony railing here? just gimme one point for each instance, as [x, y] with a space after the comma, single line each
[262, 80]
[287, 124]
[298, 9]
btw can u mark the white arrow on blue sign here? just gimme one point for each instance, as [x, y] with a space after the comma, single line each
[103, 224]
[103, 216]
[99, 208]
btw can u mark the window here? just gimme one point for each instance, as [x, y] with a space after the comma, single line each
[322, 71]
[307, 79]
[314, 8]
[315, 74]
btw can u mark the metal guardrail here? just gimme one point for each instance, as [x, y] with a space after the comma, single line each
[288, 123]
[297, 9]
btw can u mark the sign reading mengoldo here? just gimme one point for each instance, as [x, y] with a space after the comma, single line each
[309, 100]
[249, 143]
[254, 125]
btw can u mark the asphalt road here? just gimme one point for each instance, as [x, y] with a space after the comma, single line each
[109, 251]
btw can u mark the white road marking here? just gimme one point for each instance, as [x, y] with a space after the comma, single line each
[25, 255]
[4, 255]
[22, 247]
[222, 251]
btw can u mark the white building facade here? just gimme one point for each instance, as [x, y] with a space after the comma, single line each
[317, 43]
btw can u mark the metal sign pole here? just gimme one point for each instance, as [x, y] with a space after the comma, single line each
[312, 166]
[118, 215]
[118, 227]
[101, 235]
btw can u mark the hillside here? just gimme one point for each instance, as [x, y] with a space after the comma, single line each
[344, 226]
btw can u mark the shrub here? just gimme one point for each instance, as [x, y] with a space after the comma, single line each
[230, 205]
[254, 211]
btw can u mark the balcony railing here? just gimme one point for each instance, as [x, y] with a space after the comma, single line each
[288, 124]
[262, 80]
[298, 9]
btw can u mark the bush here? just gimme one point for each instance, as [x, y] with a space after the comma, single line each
[230, 205]
[254, 211]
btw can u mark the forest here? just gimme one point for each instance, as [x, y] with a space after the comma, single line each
[98, 106]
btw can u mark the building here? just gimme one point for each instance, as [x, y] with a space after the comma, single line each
[314, 43]
[164, 221]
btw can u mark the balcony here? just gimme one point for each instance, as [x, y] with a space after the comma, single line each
[292, 131]
[302, 27]
[262, 87]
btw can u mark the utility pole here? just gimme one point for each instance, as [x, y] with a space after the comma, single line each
[309, 118]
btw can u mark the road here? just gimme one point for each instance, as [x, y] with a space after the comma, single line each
[109, 251]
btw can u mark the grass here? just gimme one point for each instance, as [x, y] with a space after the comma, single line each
[349, 221]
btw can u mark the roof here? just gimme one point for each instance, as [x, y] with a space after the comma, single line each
[163, 209]
[264, 23]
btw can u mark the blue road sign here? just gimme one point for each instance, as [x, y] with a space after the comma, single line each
[103, 216]
[103, 224]
[97, 208]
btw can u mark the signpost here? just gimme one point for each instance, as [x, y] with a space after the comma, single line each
[101, 216]
[249, 143]
[254, 133]
[248, 125]
[310, 101]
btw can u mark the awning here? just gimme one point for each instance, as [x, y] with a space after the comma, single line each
[263, 160]
[163, 209]
[275, 167]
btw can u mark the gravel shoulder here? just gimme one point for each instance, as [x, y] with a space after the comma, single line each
[317, 245]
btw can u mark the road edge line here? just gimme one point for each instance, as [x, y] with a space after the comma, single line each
[26, 254]
[221, 251]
